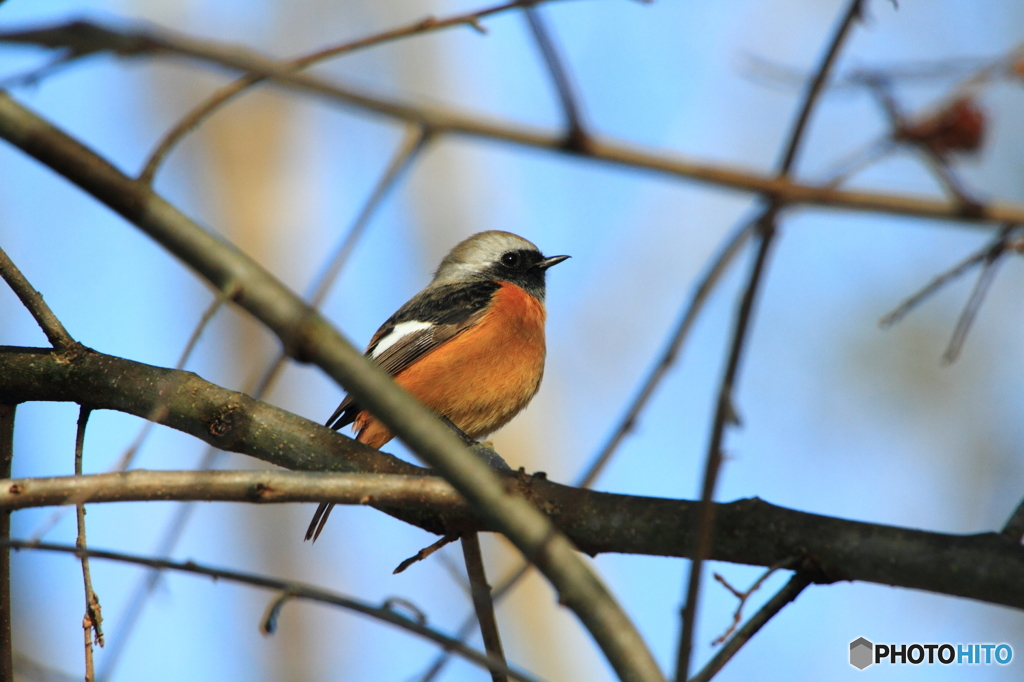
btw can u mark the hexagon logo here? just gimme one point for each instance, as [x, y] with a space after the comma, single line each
[861, 653]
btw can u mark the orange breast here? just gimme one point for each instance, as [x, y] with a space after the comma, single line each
[484, 376]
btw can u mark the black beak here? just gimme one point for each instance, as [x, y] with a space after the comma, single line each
[548, 262]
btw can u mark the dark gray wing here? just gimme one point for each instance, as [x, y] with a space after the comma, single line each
[433, 317]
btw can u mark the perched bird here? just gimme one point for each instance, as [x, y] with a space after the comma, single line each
[470, 346]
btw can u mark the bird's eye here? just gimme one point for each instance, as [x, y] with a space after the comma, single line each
[510, 259]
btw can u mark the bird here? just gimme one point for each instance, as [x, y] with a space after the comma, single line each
[470, 346]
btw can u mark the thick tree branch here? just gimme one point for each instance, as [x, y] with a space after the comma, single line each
[986, 567]
[93, 37]
[225, 419]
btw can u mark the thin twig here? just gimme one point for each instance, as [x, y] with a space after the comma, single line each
[817, 83]
[297, 590]
[92, 622]
[576, 136]
[416, 137]
[844, 169]
[34, 75]
[34, 303]
[425, 552]
[972, 70]
[268, 623]
[939, 165]
[725, 412]
[909, 304]
[970, 311]
[743, 597]
[207, 107]
[6, 457]
[220, 299]
[989, 257]
[456, 571]
[482, 603]
[788, 593]
[147, 584]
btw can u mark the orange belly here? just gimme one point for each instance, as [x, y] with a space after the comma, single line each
[483, 377]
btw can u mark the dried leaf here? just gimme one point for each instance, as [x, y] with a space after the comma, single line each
[960, 127]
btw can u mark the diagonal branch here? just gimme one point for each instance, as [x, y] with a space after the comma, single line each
[725, 413]
[33, 301]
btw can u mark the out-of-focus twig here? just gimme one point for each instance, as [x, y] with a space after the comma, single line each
[576, 135]
[294, 589]
[988, 257]
[970, 311]
[694, 304]
[725, 412]
[207, 107]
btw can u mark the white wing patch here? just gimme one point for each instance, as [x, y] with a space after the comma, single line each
[400, 331]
